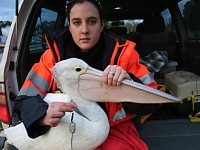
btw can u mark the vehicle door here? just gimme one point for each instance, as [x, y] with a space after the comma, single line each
[24, 46]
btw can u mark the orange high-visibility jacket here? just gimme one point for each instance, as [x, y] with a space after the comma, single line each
[119, 51]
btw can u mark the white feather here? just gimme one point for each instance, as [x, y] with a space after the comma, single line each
[88, 135]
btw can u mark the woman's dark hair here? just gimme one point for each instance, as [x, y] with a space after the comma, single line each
[96, 3]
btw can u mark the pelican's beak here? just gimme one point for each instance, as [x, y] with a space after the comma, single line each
[80, 113]
[91, 87]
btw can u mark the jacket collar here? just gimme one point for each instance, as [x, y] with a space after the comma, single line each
[61, 36]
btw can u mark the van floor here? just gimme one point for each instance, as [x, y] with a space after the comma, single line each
[169, 130]
[167, 111]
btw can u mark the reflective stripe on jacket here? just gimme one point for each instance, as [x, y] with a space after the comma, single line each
[120, 52]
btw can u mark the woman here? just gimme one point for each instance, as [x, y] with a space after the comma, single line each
[85, 38]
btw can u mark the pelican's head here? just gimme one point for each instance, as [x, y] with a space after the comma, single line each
[75, 76]
[67, 72]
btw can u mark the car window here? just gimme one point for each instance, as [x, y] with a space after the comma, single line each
[191, 12]
[129, 24]
[168, 19]
[2, 42]
[45, 25]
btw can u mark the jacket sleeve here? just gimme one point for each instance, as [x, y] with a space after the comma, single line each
[30, 109]
[140, 71]
[29, 101]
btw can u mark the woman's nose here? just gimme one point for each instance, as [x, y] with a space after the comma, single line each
[85, 29]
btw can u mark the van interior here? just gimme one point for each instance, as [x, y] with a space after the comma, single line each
[160, 26]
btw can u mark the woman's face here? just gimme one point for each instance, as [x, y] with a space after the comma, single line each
[85, 25]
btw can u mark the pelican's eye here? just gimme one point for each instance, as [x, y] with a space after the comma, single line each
[79, 70]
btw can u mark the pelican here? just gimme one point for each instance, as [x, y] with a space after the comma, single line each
[83, 84]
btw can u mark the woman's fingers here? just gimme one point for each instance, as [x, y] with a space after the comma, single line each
[56, 114]
[53, 122]
[113, 75]
[56, 111]
[62, 106]
[109, 74]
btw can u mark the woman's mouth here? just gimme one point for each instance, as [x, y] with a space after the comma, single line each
[85, 40]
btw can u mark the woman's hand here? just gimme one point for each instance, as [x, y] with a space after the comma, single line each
[55, 112]
[113, 75]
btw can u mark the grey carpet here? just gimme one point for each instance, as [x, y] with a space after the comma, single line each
[171, 134]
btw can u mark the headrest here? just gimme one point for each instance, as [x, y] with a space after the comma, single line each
[154, 24]
[118, 30]
[139, 27]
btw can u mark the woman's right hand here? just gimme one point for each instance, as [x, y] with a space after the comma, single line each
[55, 112]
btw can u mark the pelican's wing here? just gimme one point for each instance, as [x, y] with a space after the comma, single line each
[129, 91]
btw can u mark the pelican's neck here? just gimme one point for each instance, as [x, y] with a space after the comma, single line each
[90, 109]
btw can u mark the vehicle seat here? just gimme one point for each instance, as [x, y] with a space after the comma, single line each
[152, 32]
[118, 30]
[152, 36]
[153, 24]
[139, 27]
[155, 34]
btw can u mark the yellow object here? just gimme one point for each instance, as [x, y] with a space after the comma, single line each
[191, 98]
[194, 118]
[57, 92]
[144, 118]
[162, 87]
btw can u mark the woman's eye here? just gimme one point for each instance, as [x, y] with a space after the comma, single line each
[92, 22]
[77, 22]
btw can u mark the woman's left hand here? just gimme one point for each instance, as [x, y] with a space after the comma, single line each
[113, 75]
